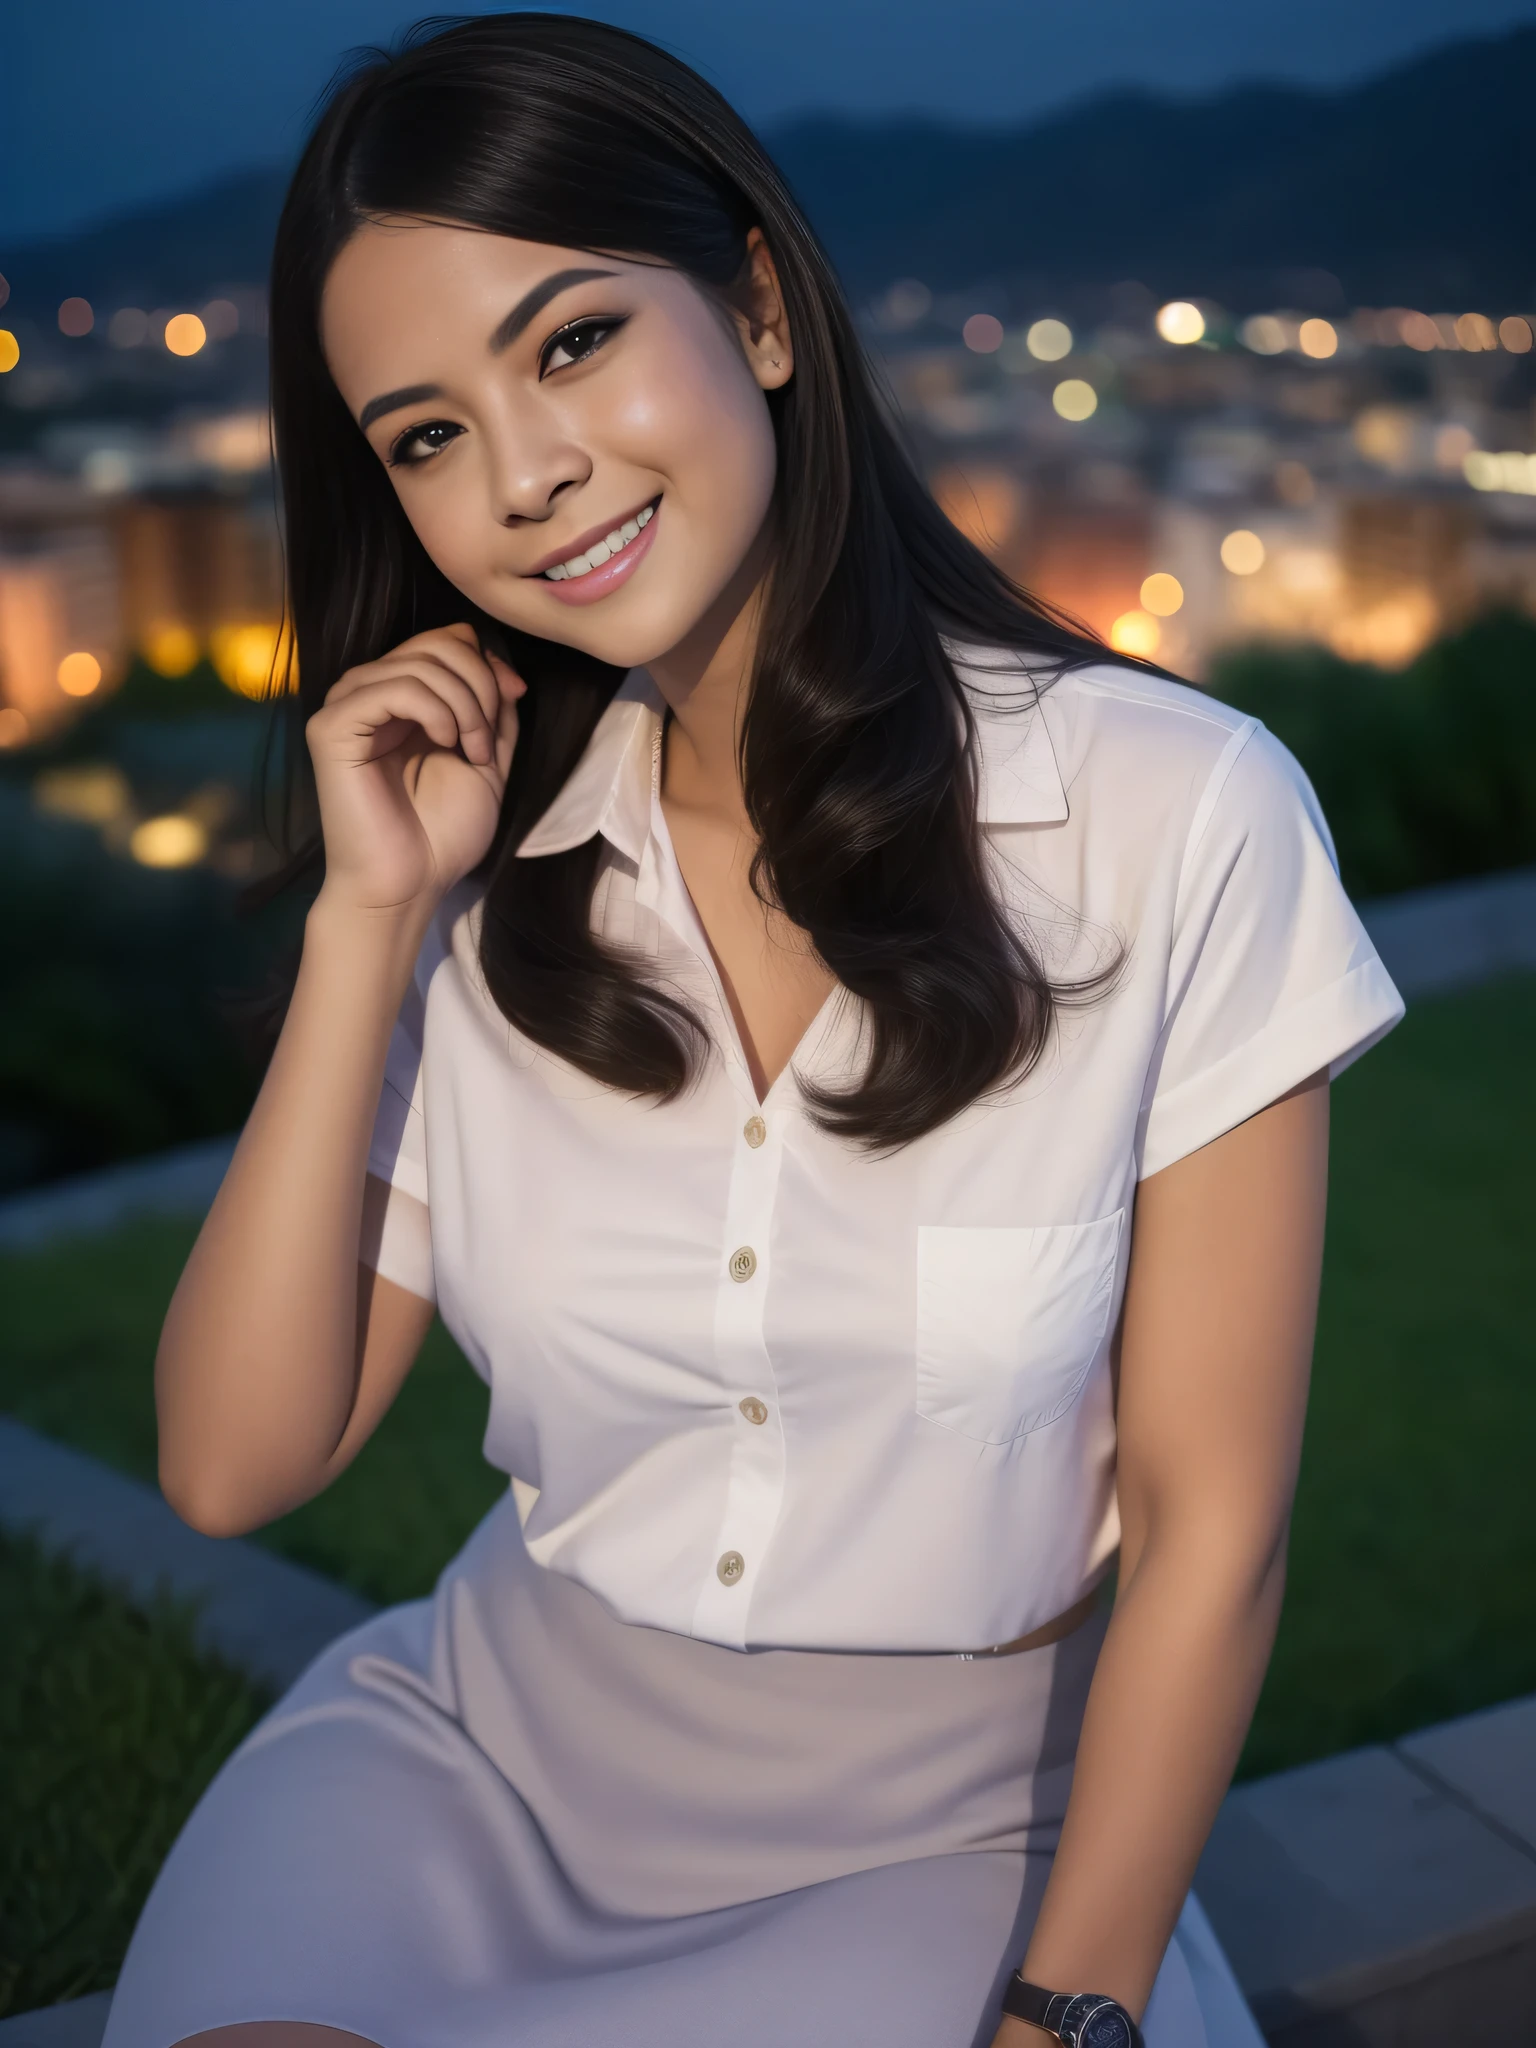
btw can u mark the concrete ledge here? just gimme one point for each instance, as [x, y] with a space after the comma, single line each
[1370, 1901]
[265, 1614]
[1457, 934]
[182, 1182]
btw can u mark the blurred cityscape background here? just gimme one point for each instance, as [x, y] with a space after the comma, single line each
[1213, 324]
[1246, 381]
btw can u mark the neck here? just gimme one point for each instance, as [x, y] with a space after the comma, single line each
[705, 680]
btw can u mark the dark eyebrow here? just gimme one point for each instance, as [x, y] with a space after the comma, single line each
[532, 304]
[391, 401]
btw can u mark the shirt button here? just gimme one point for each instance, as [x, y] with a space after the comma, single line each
[730, 1568]
[754, 1130]
[743, 1263]
[753, 1409]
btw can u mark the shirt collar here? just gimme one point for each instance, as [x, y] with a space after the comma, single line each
[609, 790]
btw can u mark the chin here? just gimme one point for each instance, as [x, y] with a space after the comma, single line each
[634, 641]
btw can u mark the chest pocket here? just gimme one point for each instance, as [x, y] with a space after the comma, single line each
[1009, 1321]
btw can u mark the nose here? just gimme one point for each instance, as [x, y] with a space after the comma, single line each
[535, 461]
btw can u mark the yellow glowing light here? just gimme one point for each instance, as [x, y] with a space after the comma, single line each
[171, 650]
[1264, 334]
[76, 318]
[1511, 471]
[1242, 552]
[983, 334]
[1162, 594]
[1516, 335]
[184, 334]
[93, 794]
[1049, 340]
[1136, 633]
[13, 726]
[79, 675]
[171, 841]
[1318, 338]
[1074, 399]
[10, 351]
[1180, 322]
[247, 656]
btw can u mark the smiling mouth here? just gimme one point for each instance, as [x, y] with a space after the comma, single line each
[602, 550]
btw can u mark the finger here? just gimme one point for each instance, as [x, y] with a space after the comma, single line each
[473, 728]
[508, 681]
[356, 727]
[465, 658]
[454, 648]
[506, 738]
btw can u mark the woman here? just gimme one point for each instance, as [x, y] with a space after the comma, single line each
[763, 960]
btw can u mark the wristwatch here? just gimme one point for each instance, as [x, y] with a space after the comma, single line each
[1082, 2019]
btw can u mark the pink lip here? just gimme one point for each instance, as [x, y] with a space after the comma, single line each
[610, 574]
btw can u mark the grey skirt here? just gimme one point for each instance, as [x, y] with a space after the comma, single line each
[500, 1818]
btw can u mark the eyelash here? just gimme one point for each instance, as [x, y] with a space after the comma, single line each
[400, 456]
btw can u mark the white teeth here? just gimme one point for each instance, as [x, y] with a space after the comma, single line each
[602, 550]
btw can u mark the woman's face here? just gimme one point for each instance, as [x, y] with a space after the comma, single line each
[582, 443]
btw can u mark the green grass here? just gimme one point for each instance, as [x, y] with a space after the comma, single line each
[77, 1360]
[111, 1724]
[1412, 1593]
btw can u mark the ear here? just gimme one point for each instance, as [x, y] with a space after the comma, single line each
[761, 318]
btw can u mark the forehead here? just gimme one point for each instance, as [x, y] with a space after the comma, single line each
[401, 283]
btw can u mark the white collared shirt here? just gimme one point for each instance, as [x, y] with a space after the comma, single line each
[756, 1386]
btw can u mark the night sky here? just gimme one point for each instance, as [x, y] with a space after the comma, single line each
[104, 103]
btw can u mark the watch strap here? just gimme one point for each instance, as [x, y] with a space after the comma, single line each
[1063, 2013]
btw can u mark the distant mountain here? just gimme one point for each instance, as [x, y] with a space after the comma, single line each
[1418, 186]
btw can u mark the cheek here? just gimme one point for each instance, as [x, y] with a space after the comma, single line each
[701, 422]
[442, 518]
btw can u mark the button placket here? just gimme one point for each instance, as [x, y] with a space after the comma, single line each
[754, 1488]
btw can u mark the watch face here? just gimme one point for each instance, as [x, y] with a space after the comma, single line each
[1099, 2023]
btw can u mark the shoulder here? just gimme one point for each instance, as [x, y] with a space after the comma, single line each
[1124, 740]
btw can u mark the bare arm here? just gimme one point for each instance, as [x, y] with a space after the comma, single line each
[280, 1351]
[1216, 1351]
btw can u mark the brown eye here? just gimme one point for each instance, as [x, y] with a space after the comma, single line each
[573, 344]
[419, 444]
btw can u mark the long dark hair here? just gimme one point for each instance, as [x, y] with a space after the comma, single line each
[858, 746]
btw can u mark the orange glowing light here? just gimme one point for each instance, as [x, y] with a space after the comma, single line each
[1162, 594]
[1242, 553]
[13, 723]
[185, 334]
[1319, 339]
[255, 660]
[1136, 633]
[1419, 331]
[172, 841]
[79, 675]
[10, 351]
[170, 649]
[1515, 334]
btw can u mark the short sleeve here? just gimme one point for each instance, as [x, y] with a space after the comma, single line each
[397, 1231]
[1271, 974]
